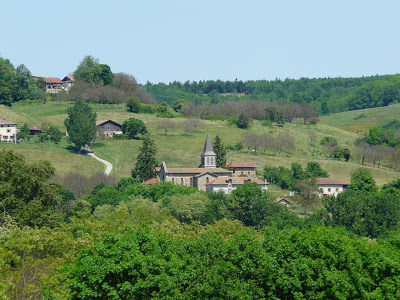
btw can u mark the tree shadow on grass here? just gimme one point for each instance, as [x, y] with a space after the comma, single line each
[97, 145]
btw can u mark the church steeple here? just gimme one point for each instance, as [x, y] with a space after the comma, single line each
[208, 157]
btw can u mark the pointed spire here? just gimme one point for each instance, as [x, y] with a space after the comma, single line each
[208, 149]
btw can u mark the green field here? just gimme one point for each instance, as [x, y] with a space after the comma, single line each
[359, 121]
[180, 149]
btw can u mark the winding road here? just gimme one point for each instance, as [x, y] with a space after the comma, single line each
[109, 166]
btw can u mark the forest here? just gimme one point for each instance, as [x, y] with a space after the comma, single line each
[326, 95]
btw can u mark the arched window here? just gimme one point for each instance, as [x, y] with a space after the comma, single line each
[208, 160]
[207, 180]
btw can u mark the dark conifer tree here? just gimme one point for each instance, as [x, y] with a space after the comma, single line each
[220, 151]
[146, 160]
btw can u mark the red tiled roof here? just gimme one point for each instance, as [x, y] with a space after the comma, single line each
[6, 122]
[235, 180]
[196, 170]
[52, 80]
[151, 181]
[34, 127]
[330, 181]
[241, 165]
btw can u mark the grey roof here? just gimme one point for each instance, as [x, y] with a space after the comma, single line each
[208, 149]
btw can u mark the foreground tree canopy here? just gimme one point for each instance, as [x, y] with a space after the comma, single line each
[289, 264]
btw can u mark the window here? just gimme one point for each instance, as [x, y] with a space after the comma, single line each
[207, 180]
[337, 189]
[212, 160]
[182, 181]
[248, 173]
[8, 130]
[208, 160]
[241, 172]
[329, 189]
[173, 180]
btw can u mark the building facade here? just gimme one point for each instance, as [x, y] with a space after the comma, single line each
[246, 169]
[8, 131]
[107, 129]
[331, 186]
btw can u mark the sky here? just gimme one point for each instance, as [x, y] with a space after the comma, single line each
[167, 40]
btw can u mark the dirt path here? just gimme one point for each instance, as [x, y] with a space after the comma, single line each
[109, 166]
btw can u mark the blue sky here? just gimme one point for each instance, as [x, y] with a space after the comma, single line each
[166, 40]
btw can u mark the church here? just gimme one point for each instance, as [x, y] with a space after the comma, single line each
[204, 176]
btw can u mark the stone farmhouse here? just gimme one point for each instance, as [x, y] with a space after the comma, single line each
[54, 84]
[8, 131]
[107, 129]
[330, 186]
[206, 177]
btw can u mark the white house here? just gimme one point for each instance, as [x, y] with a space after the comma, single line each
[8, 131]
[228, 184]
[330, 186]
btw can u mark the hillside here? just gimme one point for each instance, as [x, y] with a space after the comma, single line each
[179, 148]
[361, 120]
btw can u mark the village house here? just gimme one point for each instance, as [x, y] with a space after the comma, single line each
[34, 129]
[227, 184]
[8, 131]
[68, 81]
[53, 85]
[107, 129]
[283, 201]
[330, 186]
[247, 169]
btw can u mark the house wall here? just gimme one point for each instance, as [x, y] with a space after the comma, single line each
[244, 171]
[227, 190]
[182, 179]
[53, 88]
[201, 181]
[107, 130]
[330, 190]
[8, 133]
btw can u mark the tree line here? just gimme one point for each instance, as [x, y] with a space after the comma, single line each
[326, 95]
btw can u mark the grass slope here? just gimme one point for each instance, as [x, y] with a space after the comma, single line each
[361, 120]
[178, 148]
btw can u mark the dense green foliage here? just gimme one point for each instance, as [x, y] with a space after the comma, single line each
[16, 83]
[287, 178]
[133, 127]
[91, 71]
[81, 124]
[133, 104]
[289, 264]
[27, 192]
[146, 163]
[327, 95]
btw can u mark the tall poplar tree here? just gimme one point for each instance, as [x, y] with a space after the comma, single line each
[146, 160]
[220, 152]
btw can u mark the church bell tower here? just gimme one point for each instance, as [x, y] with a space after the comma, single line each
[208, 157]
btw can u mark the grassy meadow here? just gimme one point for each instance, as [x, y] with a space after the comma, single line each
[178, 148]
[359, 121]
